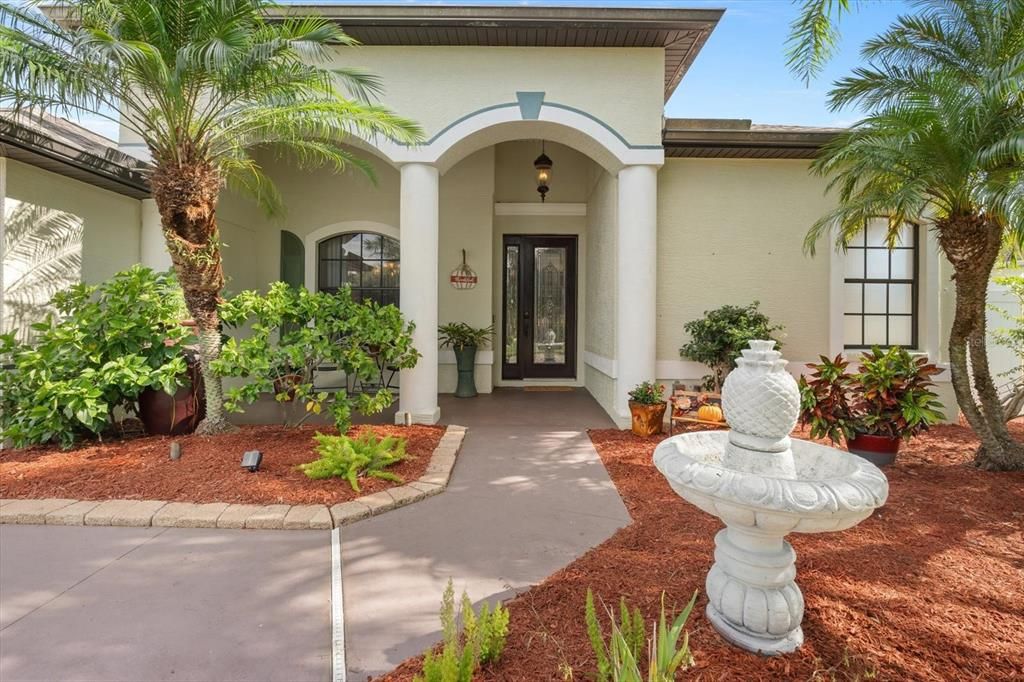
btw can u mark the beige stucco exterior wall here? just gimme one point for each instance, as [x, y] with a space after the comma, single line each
[600, 296]
[438, 85]
[111, 221]
[466, 215]
[730, 231]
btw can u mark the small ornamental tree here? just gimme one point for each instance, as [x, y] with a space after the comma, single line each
[111, 342]
[294, 333]
[717, 339]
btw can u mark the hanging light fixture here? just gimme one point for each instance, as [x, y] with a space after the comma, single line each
[543, 165]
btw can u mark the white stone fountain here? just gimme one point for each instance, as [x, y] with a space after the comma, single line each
[764, 485]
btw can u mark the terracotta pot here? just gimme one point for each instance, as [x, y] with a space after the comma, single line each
[164, 414]
[879, 450]
[648, 420]
[287, 383]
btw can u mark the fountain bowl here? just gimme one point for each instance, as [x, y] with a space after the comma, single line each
[753, 599]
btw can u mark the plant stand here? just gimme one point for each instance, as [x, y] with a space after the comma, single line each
[465, 362]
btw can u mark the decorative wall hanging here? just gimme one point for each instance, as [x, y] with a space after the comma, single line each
[463, 276]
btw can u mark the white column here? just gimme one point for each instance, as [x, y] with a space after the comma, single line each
[152, 247]
[419, 233]
[635, 323]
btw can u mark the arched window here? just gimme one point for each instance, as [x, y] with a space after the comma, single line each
[365, 261]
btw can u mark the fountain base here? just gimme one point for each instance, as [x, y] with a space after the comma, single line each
[744, 639]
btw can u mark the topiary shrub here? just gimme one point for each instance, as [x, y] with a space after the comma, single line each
[717, 338]
[110, 342]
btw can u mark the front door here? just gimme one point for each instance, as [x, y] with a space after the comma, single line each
[539, 292]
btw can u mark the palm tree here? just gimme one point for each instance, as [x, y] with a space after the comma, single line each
[203, 83]
[942, 146]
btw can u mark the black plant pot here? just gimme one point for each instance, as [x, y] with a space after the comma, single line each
[465, 362]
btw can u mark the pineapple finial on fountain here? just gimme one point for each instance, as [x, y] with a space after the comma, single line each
[763, 485]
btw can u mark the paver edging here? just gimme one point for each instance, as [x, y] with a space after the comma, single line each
[139, 513]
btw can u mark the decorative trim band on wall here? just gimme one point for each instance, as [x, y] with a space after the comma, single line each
[605, 366]
[446, 356]
[554, 209]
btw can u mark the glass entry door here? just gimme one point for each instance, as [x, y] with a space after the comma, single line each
[539, 303]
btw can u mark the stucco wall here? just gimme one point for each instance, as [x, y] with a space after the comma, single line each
[600, 295]
[438, 85]
[108, 225]
[730, 231]
[111, 221]
[466, 214]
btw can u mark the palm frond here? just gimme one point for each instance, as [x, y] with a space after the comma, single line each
[813, 36]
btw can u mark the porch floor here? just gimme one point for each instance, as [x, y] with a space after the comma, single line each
[528, 495]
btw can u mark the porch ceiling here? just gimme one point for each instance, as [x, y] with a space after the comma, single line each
[681, 32]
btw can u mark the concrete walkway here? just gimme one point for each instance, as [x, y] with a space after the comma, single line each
[528, 495]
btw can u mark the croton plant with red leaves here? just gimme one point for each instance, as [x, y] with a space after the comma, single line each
[891, 396]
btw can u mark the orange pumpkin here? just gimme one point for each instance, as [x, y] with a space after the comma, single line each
[710, 413]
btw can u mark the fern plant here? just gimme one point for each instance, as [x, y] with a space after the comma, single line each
[481, 641]
[619, 659]
[355, 458]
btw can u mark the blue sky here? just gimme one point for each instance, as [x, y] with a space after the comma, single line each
[741, 71]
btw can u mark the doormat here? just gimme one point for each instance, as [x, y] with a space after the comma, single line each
[548, 389]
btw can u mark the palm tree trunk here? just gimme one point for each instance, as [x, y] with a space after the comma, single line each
[972, 244]
[186, 196]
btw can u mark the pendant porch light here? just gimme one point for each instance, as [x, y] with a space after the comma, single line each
[543, 165]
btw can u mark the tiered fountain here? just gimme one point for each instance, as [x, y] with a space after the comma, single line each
[763, 485]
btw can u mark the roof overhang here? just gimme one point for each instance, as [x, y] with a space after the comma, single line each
[740, 139]
[680, 32]
[59, 146]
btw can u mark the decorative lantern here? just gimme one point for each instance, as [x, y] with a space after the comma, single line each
[543, 165]
[463, 276]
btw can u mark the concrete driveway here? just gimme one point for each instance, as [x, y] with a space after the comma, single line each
[113, 604]
[528, 495]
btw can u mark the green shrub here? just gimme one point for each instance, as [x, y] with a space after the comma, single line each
[111, 342]
[294, 332]
[717, 338]
[354, 458]
[619, 659]
[481, 641]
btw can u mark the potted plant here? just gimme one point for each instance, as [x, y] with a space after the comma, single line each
[647, 408]
[465, 340]
[888, 401]
[717, 339]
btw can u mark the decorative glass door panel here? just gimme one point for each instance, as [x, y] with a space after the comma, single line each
[539, 289]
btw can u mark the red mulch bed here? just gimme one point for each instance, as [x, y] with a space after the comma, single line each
[209, 469]
[931, 587]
